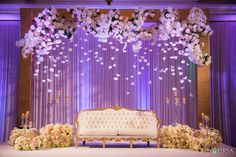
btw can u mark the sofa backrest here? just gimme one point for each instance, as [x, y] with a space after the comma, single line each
[117, 121]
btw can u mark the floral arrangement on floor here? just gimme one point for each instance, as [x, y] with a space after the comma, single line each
[25, 143]
[188, 31]
[205, 139]
[58, 135]
[112, 24]
[52, 135]
[184, 137]
[176, 136]
[15, 133]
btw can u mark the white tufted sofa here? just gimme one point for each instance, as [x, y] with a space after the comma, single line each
[116, 124]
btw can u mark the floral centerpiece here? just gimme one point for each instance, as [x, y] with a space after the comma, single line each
[176, 136]
[58, 135]
[205, 139]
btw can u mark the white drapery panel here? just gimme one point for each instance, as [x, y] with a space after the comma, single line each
[9, 55]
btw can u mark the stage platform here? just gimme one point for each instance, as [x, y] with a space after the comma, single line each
[116, 150]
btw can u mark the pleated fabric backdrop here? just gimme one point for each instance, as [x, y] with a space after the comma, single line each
[9, 55]
[101, 75]
[223, 80]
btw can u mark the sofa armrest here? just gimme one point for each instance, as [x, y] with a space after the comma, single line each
[77, 130]
[158, 132]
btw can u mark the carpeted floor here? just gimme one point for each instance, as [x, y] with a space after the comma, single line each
[115, 150]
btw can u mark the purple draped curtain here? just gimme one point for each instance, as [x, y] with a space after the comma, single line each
[223, 80]
[9, 55]
[99, 75]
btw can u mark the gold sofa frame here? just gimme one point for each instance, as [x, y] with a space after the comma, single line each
[116, 139]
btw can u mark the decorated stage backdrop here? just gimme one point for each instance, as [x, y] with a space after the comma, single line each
[83, 73]
[101, 75]
[96, 75]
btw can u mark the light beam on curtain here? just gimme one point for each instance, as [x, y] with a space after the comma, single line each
[87, 82]
[9, 55]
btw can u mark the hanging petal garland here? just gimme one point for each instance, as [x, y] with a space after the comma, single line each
[112, 24]
[182, 37]
[169, 31]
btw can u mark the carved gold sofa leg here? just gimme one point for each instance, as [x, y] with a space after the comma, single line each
[103, 142]
[76, 142]
[131, 143]
[158, 144]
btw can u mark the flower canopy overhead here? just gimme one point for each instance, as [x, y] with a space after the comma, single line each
[112, 24]
[49, 27]
[188, 32]
[45, 33]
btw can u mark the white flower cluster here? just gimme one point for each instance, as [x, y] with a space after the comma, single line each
[184, 137]
[195, 26]
[45, 33]
[15, 133]
[187, 31]
[25, 143]
[175, 136]
[24, 139]
[58, 135]
[112, 24]
[205, 139]
[169, 24]
[198, 56]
